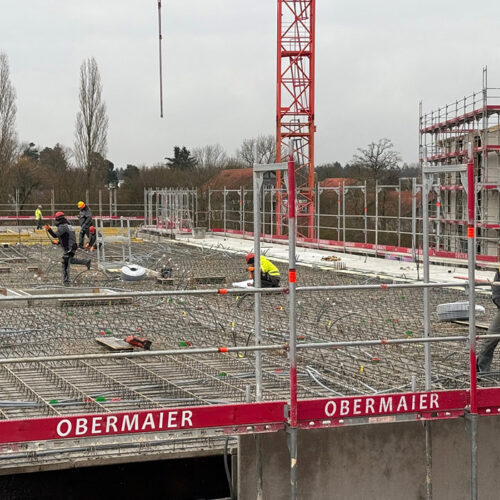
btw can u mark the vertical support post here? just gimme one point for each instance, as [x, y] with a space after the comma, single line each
[471, 249]
[209, 209]
[292, 238]
[243, 196]
[366, 212]
[342, 193]
[116, 201]
[318, 214]
[17, 206]
[122, 239]
[241, 212]
[224, 196]
[100, 203]
[257, 319]
[87, 201]
[110, 202]
[52, 202]
[376, 218]
[399, 212]
[414, 219]
[129, 241]
[426, 187]
[438, 214]
[145, 206]
[273, 197]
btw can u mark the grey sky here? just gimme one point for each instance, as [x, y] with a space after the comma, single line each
[375, 61]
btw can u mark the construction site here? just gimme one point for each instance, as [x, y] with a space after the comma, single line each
[169, 357]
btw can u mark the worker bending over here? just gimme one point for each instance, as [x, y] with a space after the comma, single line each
[91, 245]
[65, 235]
[269, 273]
[85, 221]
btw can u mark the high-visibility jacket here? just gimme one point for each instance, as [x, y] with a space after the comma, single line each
[267, 267]
[38, 214]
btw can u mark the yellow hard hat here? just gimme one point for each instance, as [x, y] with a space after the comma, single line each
[81, 204]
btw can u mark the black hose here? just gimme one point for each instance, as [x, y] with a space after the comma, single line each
[228, 473]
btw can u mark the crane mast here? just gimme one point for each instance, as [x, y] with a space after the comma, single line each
[295, 107]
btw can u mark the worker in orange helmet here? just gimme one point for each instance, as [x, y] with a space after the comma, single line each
[85, 221]
[269, 273]
[93, 238]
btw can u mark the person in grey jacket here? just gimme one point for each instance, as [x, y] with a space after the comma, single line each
[85, 221]
[65, 235]
[485, 357]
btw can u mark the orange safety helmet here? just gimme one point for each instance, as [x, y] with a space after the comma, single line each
[249, 257]
[59, 214]
[92, 229]
[80, 204]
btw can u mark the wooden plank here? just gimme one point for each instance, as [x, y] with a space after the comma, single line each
[207, 280]
[104, 301]
[481, 326]
[165, 281]
[4, 269]
[114, 343]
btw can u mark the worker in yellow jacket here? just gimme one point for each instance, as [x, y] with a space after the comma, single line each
[39, 217]
[269, 273]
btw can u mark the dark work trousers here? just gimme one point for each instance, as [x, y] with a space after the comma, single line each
[84, 232]
[267, 281]
[485, 357]
[39, 223]
[67, 259]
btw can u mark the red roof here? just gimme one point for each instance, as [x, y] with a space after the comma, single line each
[232, 178]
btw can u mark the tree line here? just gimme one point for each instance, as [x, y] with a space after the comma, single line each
[33, 172]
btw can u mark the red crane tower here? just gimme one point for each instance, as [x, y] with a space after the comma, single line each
[295, 107]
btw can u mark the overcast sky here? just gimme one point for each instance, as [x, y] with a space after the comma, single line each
[375, 61]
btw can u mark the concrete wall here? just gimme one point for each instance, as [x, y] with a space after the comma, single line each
[381, 461]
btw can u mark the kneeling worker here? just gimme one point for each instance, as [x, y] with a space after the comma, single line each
[269, 273]
[91, 245]
[65, 235]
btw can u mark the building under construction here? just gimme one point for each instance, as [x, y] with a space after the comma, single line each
[63, 363]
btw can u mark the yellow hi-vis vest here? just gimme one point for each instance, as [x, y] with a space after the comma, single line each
[38, 214]
[268, 267]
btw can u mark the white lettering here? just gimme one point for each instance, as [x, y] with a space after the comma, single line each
[385, 405]
[434, 401]
[356, 407]
[62, 433]
[344, 407]
[369, 405]
[81, 426]
[330, 408]
[148, 421]
[423, 401]
[160, 425]
[186, 417]
[413, 402]
[402, 404]
[130, 424]
[172, 417]
[96, 425]
[111, 422]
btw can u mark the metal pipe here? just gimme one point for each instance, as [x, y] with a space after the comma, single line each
[236, 349]
[292, 317]
[471, 249]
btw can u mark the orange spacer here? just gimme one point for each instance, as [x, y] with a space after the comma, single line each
[222, 291]
[292, 276]
[222, 349]
[470, 232]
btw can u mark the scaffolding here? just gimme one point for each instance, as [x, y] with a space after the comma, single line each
[444, 134]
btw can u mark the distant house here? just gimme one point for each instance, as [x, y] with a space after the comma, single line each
[233, 178]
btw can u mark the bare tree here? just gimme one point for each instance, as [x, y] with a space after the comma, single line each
[8, 135]
[258, 150]
[377, 158]
[211, 155]
[91, 120]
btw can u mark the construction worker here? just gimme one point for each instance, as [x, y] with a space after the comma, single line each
[85, 221]
[485, 356]
[269, 273]
[39, 217]
[65, 235]
[93, 237]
